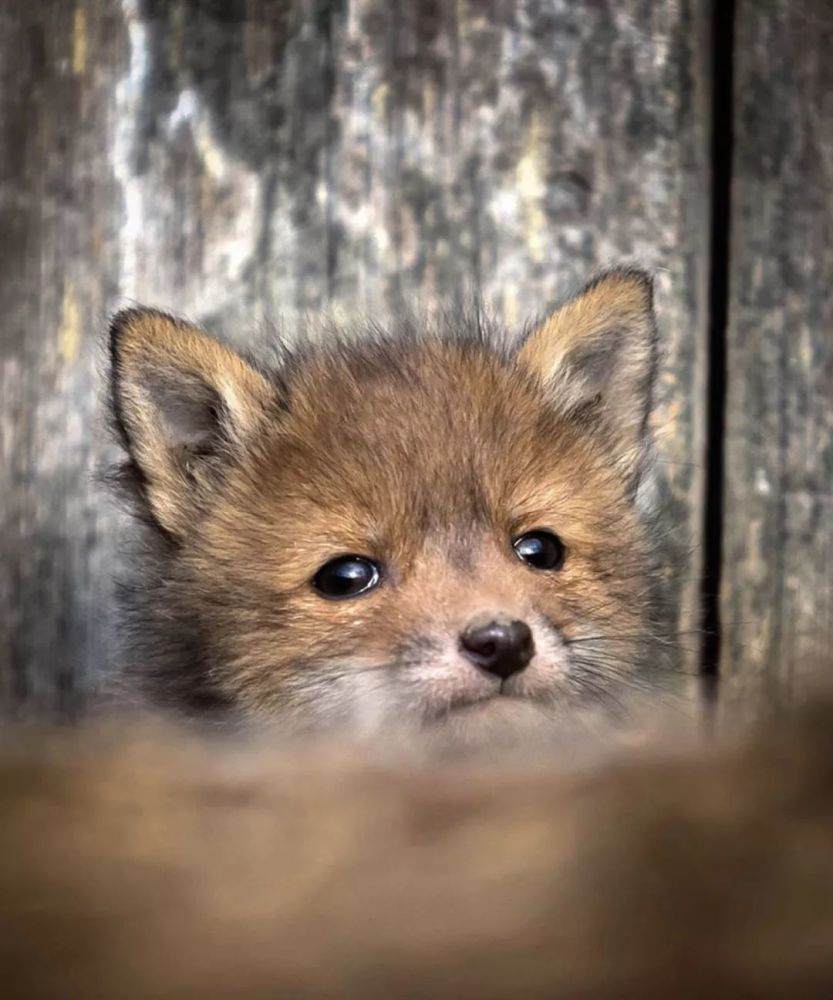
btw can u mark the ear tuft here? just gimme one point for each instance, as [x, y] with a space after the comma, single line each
[598, 351]
[182, 402]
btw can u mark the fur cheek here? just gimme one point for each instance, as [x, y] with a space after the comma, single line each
[355, 697]
[403, 693]
[366, 698]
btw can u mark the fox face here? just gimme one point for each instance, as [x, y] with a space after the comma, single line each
[438, 526]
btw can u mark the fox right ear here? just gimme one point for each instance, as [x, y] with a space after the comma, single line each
[181, 401]
[599, 349]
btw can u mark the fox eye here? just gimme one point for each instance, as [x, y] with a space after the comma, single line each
[346, 576]
[540, 549]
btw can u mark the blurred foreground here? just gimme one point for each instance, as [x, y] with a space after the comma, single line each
[163, 864]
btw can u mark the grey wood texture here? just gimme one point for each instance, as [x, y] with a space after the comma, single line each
[246, 161]
[777, 598]
[60, 206]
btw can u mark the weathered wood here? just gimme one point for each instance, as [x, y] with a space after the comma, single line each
[58, 275]
[243, 161]
[777, 605]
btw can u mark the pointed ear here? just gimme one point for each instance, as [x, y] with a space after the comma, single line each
[597, 353]
[182, 404]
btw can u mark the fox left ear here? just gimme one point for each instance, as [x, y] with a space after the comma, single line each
[598, 353]
[184, 405]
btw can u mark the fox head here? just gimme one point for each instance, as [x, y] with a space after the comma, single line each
[421, 526]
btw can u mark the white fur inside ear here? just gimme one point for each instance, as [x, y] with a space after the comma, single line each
[184, 401]
[600, 348]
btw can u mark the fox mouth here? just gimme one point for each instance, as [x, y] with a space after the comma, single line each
[465, 706]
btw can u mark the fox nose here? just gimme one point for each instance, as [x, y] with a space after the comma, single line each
[502, 647]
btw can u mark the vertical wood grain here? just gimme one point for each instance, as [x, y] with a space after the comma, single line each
[58, 203]
[777, 603]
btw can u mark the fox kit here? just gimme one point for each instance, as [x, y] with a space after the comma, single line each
[420, 526]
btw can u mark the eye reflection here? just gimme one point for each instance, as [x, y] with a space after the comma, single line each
[347, 576]
[540, 549]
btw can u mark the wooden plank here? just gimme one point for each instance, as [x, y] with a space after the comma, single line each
[57, 275]
[777, 598]
[247, 161]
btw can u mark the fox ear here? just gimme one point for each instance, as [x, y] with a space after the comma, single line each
[182, 403]
[597, 353]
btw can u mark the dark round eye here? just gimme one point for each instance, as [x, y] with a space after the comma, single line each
[346, 576]
[540, 549]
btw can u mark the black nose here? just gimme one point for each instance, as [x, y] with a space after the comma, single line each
[501, 647]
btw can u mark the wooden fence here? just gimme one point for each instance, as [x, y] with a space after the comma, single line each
[246, 160]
